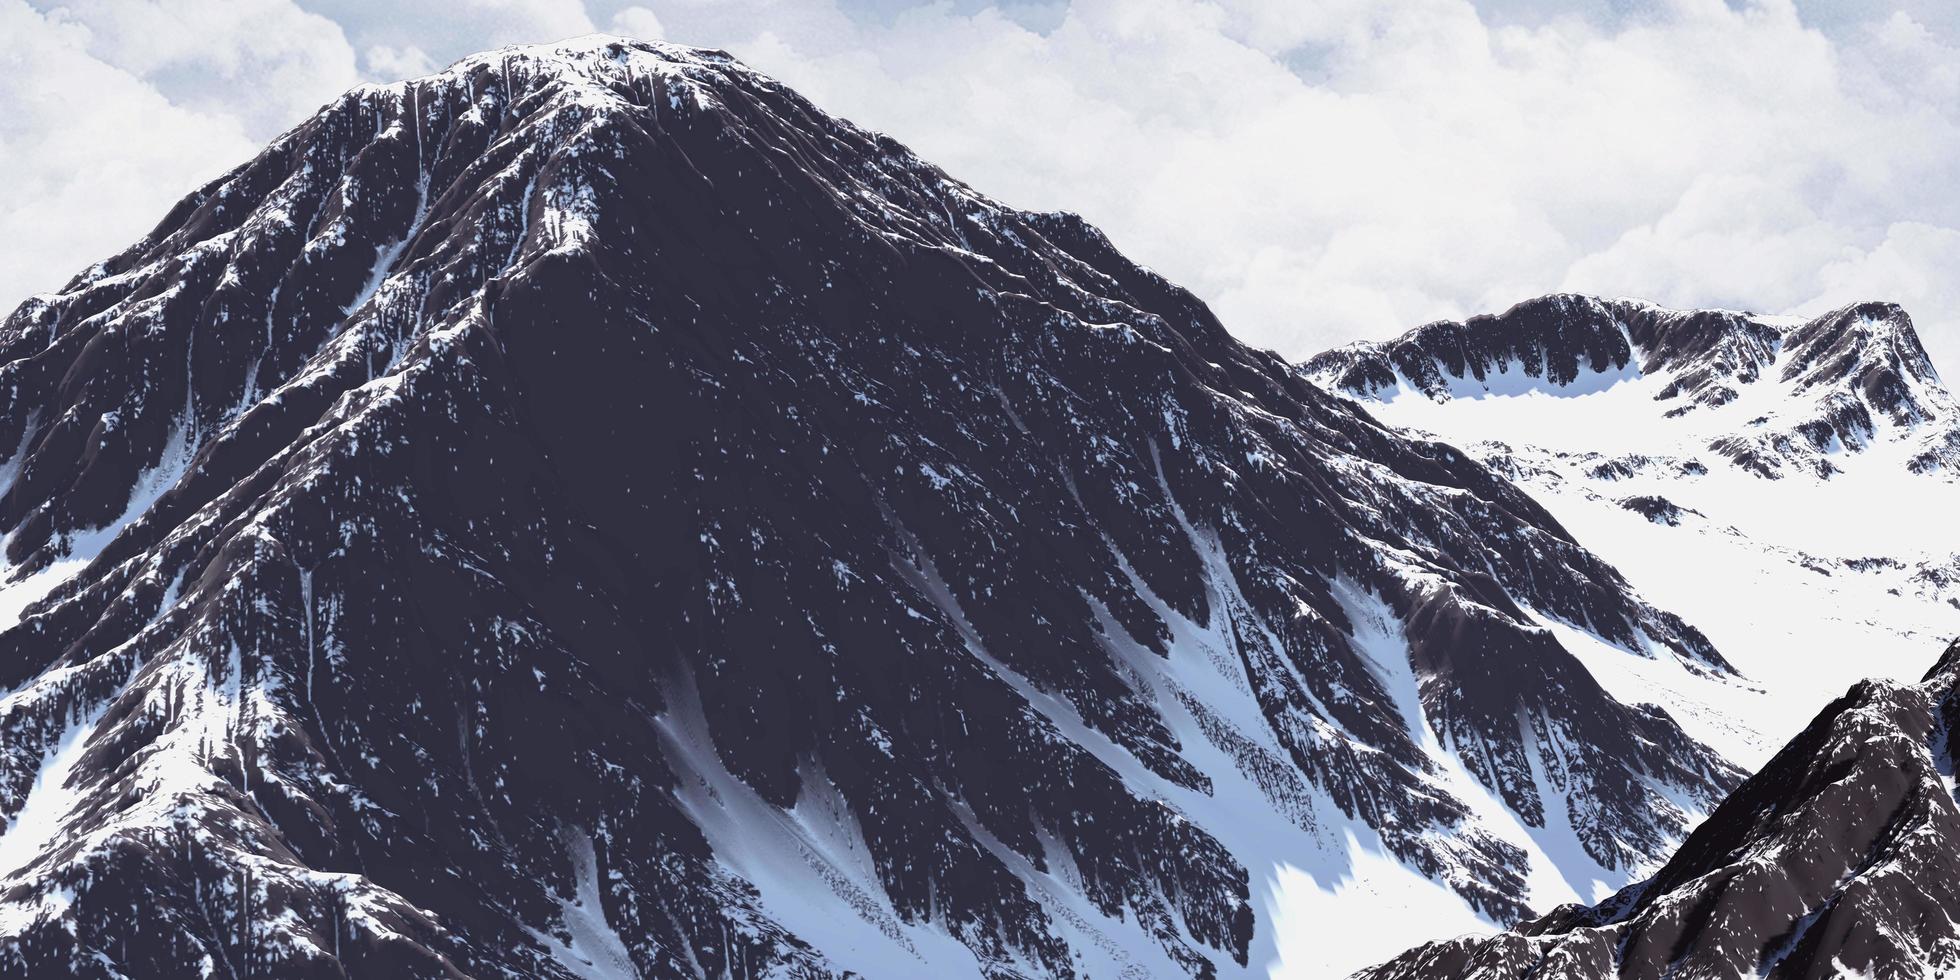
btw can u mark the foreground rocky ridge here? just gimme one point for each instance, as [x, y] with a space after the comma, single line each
[588, 513]
[1837, 859]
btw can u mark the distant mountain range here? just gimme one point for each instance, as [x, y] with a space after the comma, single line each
[1774, 480]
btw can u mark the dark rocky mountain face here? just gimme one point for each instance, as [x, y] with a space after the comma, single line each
[589, 513]
[1845, 379]
[1836, 860]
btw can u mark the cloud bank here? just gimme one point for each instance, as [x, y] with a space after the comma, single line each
[1318, 172]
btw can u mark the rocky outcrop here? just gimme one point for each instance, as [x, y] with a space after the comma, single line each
[1837, 859]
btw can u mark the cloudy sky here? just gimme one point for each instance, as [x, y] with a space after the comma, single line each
[1318, 171]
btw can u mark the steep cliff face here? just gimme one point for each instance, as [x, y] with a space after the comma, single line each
[589, 513]
[1837, 859]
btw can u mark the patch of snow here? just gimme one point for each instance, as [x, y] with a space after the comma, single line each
[595, 951]
[809, 865]
[16, 596]
[38, 824]
[1330, 899]
[1332, 928]
[82, 547]
[1559, 869]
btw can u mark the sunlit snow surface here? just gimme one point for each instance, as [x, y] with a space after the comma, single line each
[38, 824]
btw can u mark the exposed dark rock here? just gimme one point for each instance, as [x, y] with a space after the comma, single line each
[1656, 508]
[1555, 339]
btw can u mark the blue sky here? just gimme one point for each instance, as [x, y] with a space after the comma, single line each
[1318, 171]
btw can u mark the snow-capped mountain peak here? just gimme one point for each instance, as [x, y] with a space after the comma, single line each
[591, 513]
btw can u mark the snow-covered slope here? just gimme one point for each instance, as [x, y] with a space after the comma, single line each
[589, 513]
[1782, 483]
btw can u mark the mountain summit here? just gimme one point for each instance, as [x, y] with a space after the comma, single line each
[589, 513]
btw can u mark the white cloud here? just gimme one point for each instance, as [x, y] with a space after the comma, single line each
[80, 172]
[1914, 265]
[637, 22]
[1317, 171]
[442, 32]
[1331, 170]
[389, 62]
[266, 62]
